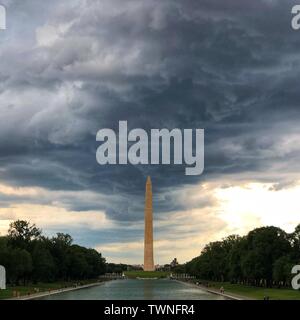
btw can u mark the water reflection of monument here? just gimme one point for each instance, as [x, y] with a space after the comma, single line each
[148, 245]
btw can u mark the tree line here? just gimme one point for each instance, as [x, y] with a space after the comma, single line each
[28, 256]
[264, 257]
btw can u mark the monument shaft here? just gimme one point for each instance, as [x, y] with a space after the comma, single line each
[148, 245]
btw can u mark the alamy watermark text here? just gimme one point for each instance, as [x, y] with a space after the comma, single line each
[2, 17]
[296, 17]
[296, 278]
[135, 148]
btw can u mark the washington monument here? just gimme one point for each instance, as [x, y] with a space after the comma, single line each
[148, 245]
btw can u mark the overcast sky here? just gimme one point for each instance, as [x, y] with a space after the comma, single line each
[69, 68]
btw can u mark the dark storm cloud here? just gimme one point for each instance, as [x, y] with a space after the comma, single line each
[229, 67]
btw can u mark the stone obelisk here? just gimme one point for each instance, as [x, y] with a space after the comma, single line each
[148, 245]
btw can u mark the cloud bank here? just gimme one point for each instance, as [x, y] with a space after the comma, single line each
[69, 69]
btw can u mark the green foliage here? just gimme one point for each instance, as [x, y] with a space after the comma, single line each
[255, 292]
[21, 233]
[282, 269]
[262, 258]
[116, 268]
[43, 263]
[30, 257]
[179, 269]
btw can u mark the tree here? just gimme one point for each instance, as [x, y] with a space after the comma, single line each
[282, 270]
[235, 273]
[78, 266]
[295, 242]
[29, 256]
[264, 257]
[43, 263]
[63, 239]
[96, 262]
[264, 246]
[21, 233]
[20, 265]
[115, 268]
[59, 249]
[4, 252]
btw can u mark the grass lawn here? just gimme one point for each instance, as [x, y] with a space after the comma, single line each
[24, 290]
[257, 293]
[146, 274]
